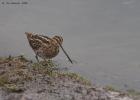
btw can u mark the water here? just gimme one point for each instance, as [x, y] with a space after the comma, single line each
[102, 36]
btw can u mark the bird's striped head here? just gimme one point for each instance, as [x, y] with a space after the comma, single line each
[59, 39]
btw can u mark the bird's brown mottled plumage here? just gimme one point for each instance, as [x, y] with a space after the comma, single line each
[44, 46]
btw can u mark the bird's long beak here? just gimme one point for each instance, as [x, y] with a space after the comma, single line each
[65, 53]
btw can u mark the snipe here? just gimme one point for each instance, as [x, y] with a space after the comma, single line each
[44, 46]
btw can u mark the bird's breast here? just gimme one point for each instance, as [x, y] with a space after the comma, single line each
[51, 52]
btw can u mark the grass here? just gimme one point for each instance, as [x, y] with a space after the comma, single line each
[18, 70]
[74, 76]
[111, 88]
[14, 88]
[3, 80]
[133, 92]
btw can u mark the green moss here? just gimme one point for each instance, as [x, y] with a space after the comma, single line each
[23, 58]
[44, 68]
[133, 92]
[74, 76]
[14, 88]
[48, 63]
[111, 88]
[3, 80]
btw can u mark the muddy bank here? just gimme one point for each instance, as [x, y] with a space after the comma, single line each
[22, 79]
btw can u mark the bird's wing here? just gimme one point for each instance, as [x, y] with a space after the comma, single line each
[45, 37]
[35, 43]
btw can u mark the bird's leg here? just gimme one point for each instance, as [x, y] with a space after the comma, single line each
[38, 64]
[37, 58]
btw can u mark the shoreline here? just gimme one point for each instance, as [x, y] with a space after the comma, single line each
[22, 79]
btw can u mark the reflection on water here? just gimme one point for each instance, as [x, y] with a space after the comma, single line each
[102, 36]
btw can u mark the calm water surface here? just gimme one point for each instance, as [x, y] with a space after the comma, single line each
[102, 36]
